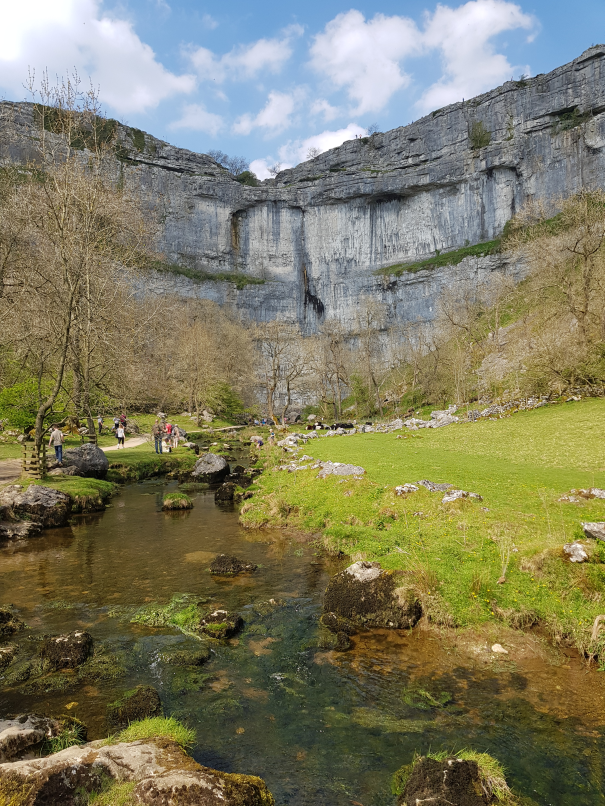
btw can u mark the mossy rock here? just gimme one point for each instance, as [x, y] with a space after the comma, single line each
[67, 651]
[449, 781]
[365, 595]
[177, 501]
[187, 657]
[7, 655]
[336, 624]
[228, 565]
[220, 624]
[9, 623]
[134, 705]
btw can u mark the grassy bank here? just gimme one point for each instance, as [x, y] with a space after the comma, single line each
[142, 461]
[454, 554]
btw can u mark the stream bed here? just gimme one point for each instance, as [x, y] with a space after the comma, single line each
[320, 727]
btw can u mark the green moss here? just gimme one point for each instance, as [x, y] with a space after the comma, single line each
[200, 276]
[418, 697]
[156, 727]
[102, 666]
[15, 790]
[442, 259]
[113, 793]
[140, 703]
[479, 136]
[138, 139]
[570, 119]
[182, 612]
[177, 501]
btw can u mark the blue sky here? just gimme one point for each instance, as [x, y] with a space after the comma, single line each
[272, 81]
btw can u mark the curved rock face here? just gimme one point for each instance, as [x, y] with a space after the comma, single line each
[452, 781]
[210, 468]
[164, 775]
[364, 595]
[87, 460]
[41, 504]
[310, 241]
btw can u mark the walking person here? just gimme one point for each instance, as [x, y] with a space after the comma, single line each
[100, 422]
[116, 423]
[176, 432]
[158, 434]
[121, 435]
[123, 420]
[56, 439]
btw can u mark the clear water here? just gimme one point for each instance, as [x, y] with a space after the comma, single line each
[320, 727]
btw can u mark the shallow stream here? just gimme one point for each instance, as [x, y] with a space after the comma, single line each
[320, 727]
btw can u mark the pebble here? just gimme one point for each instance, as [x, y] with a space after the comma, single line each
[499, 649]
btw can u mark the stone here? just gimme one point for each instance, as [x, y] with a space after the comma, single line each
[456, 495]
[339, 469]
[9, 623]
[434, 488]
[210, 468]
[226, 492]
[23, 734]
[403, 489]
[40, 504]
[88, 460]
[228, 565]
[19, 530]
[139, 703]
[366, 596]
[575, 552]
[187, 657]
[499, 649]
[67, 651]
[7, 655]
[220, 624]
[451, 782]
[595, 530]
[132, 427]
[164, 775]
[591, 492]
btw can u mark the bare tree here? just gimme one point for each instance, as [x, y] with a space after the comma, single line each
[235, 165]
[275, 169]
[282, 365]
[313, 152]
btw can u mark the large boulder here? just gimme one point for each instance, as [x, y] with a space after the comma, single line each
[210, 468]
[39, 504]
[228, 565]
[87, 460]
[364, 595]
[164, 774]
[140, 703]
[451, 782]
[595, 530]
[22, 736]
[67, 651]
[18, 530]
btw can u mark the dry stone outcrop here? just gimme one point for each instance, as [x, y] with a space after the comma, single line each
[42, 505]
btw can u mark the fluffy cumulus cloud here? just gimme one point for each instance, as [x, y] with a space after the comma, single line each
[463, 35]
[364, 57]
[245, 61]
[197, 118]
[295, 151]
[40, 34]
[275, 116]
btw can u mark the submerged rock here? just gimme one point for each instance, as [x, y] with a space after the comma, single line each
[226, 492]
[595, 530]
[453, 782]
[19, 530]
[67, 651]
[211, 468]
[9, 623]
[368, 596]
[576, 552]
[187, 657]
[7, 655]
[228, 565]
[86, 460]
[139, 703]
[41, 504]
[164, 774]
[220, 624]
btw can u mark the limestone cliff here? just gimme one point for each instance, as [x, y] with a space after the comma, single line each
[316, 237]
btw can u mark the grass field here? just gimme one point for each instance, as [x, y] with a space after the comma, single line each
[454, 554]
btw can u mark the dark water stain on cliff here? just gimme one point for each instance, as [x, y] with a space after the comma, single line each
[319, 726]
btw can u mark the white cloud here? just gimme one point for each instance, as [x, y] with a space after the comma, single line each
[463, 34]
[296, 151]
[197, 117]
[209, 22]
[245, 61]
[261, 167]
[75, 33]
[363, 56]
[274, 117]
[322, 107]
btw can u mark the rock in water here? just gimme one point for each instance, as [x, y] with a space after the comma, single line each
[595, 530]
[164, 774]
[220, 624]
[211, 468]
[67, 651]
[226, 492]
[87, 460]
[19, 530]
[140, 703]
[9, 623]
[576, 552]
[453, 782]
[228, 565]
[366, 595]
[41, 504]
[19, 736]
